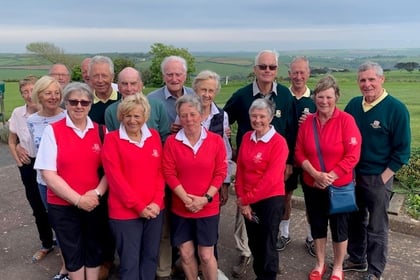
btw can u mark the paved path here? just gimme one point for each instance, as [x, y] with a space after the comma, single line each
[18, 241]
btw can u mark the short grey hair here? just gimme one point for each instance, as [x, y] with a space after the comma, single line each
[263, 103]
[257, 58]
[79, 87]
[168, 59]
[101, 59]
[368, 65]
[204, 76]
[190, 99]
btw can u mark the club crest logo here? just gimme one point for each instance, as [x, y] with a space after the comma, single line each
[278, 114]
[155, 153]
[258, 158]
[96, 148]
[353, 141]
[376, 124]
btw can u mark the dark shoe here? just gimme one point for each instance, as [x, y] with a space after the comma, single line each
[41, 254]
[104, 270]
[60, 276]
[316, 275]
[371, 277]
[240, 269]
[282, 242]
[350, 266]
[310, 246]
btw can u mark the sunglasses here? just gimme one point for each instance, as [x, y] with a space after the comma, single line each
[73, 102]
[264, 67]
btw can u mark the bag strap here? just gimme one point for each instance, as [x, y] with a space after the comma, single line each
[318, 146]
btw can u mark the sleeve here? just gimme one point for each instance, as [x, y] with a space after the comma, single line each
[46, 158]
[301, 140]
[401, 139]
[164, 125]
[220, 171]
[112, 163]
[169, 163]
[109, 120]
[228, 150]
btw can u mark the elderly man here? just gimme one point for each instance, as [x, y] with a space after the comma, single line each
[284, 121]
[61, 73]
[174, 73]
[101, 75]
[384, 123]
[129, 82]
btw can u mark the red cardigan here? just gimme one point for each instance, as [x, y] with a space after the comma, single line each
[195, 172]
[260, 168]
[340, 142]
[134, 175]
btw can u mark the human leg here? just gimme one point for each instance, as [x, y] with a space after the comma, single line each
[164, 264]
[188, 260]
[208, 262]
[150, 246]
[241, 243]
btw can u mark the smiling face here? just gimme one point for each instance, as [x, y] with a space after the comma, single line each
[189, 117]
[262, 70]
[326, 101]
[206, 90]
[174, 76]
[260, 121]
[50, 98]
[134, 120]
[101, 79]
[299, 74]
[370, 84]
[78, 106]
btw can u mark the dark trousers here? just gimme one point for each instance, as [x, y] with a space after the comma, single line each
[262, 237]
[28, 176]
[368, 228]
[138, 246]
[107, 238]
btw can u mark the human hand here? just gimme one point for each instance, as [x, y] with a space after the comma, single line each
[197, 203]
[224, 194]
[323, 180]
[89, 201]
[228, 132]
[246, 211]
[288, 171]
[175, 128]
[22, 154]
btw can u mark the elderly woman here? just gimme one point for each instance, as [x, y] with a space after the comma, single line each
[69, 157]
[195, 178]
[339, 142]
[259, 186]
[206, 85]
[132, 161]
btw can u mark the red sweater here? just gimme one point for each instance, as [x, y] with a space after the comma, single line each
[260, 168]
[340, 142]
[195, 172]
[78, 159]
[134, 175]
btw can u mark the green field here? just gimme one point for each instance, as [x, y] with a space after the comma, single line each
[401, 84]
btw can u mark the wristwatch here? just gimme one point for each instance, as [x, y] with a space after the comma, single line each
[98, 194]
[209, 197]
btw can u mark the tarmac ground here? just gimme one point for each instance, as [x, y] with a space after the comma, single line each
[19, 240]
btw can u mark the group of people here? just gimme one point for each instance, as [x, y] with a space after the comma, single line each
[140, 175]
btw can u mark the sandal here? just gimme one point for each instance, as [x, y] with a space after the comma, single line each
[336, 277]
[316, 275]
[40, 254]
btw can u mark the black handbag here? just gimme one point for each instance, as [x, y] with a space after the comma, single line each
[342, 198]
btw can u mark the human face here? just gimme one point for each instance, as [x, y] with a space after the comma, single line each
[207, 90]
[299, 74]
[134, 120]
[325, 102]
[61, 74]
[26, 92]
[101, 78]
[260, 121]
[129, 84]
[50, 98]
[84, 68]
[189, 117]
[266, 75]
[78, 113]
[174, 76]
[370, 84]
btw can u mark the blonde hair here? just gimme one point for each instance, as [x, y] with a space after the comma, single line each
[131, 102]
[42, 84]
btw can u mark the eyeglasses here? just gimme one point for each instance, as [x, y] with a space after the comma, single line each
[84, 103]
[264, 67]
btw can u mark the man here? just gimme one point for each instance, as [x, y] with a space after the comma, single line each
[299, 73]
[129, 82]
[61, 73]
[84, 67]
[384, 123]
[284, 121]
[101, 75]
[174, 73]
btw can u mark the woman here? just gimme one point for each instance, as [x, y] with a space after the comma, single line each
[23, 152]
[47, 93]
[259, 186]
[132, 161]
[69, 159]
[194, 167]
[206, 85]
[340, 142]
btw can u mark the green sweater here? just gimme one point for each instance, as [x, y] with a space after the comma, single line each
[158, 119]
[386, 135]
[284, 120]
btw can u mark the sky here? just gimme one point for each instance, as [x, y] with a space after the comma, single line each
[92, 26]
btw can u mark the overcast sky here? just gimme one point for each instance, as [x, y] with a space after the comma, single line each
[91, 26]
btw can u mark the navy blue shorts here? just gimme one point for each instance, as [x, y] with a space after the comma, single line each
[79, 235]
[203, 231]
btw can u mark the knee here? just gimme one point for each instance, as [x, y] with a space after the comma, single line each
[206, 257]
[187, 256]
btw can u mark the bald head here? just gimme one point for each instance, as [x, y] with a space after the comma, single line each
[129, 81]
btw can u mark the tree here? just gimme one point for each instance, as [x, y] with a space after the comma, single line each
[159, 51]
[120, 63]
[409, 66]
[53, 54]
